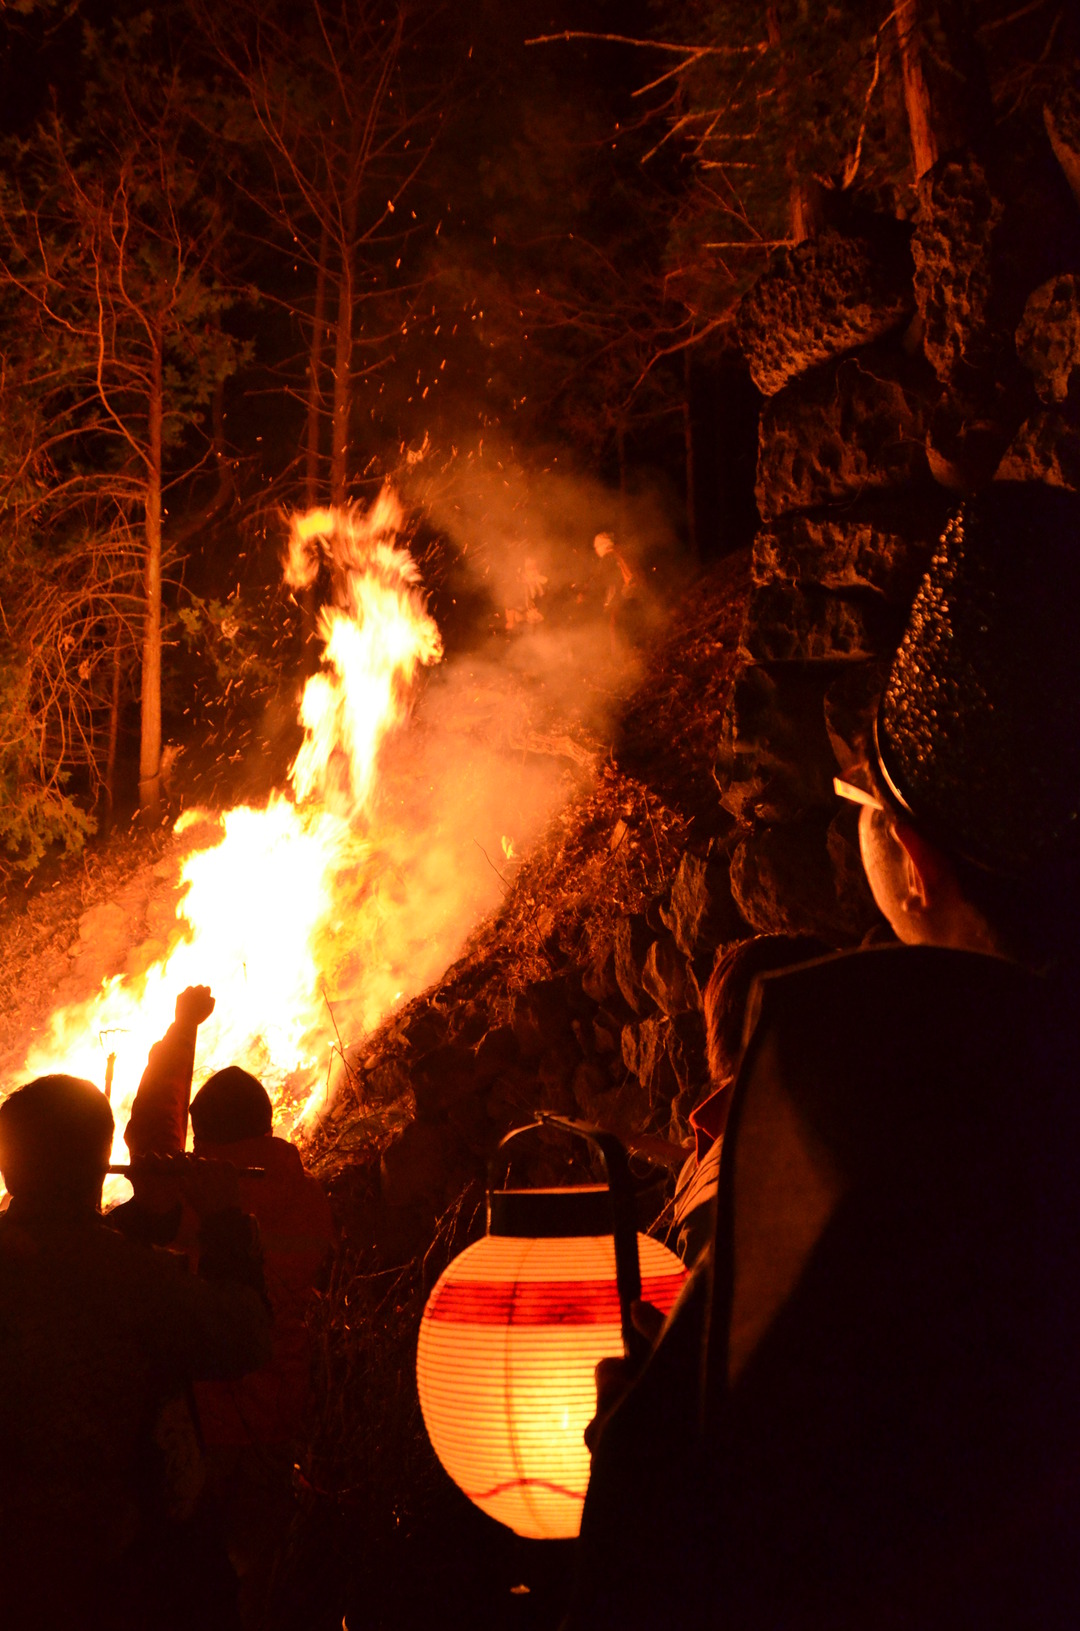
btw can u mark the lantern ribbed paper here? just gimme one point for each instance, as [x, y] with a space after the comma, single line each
[508, 1348]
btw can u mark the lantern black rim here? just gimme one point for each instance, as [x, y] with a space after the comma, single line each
[545, 1214]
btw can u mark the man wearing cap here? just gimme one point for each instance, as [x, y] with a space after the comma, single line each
[886, 1431]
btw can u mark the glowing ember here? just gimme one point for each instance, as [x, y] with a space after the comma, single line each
[273, 898]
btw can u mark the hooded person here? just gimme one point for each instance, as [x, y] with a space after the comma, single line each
[232, 1120]
[249, 1426]
[864, 1410]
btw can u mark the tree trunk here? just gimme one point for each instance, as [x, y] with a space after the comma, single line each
[805, 205]
[343, 347]
[946, 94]
[314, 402]
[917, 100]
[112, 747]
[688, 449]
[805, 214]
[150, 717]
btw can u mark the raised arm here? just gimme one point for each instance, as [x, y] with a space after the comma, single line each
[158, 1121]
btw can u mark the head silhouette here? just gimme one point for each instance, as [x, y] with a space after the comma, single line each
[231, 1105]
[728, 992]
[55, 1137]
[977, 756]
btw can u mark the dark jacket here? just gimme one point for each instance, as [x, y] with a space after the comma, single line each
[296, 1233]
[96, 1333]
[297, 1236]
[888, 1434]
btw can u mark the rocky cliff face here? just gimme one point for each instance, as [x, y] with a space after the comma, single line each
[901, 368]
[901, 364]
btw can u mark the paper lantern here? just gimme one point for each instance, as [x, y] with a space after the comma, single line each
[509, 1344]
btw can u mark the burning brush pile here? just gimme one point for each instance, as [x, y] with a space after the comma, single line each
[319, 913]
[269, 905]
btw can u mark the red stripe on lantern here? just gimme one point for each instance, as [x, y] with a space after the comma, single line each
[506, 1363]
[544, 1302]
[524, 1483]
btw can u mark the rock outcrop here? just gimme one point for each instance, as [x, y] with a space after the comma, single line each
[821, 298]
[848, 431]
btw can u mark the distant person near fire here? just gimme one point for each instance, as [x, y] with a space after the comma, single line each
[864, 1410]
[619, 580]
[97, 1335]
[249, 1427]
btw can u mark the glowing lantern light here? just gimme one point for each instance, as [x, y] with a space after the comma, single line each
[509, 1344]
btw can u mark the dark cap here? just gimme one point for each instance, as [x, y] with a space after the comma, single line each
[231, 1105]
[978, 733]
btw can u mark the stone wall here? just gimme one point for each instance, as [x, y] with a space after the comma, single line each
[901, 366]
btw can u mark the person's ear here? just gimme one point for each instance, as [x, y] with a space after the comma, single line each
[928, 872]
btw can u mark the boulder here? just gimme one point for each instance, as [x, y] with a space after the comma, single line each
[473, 1126]
[1048, 338]
[821, 298]
[1062, 120]
[969, 431]
[622, 1110]
[633, 938]
[775, 760]
[421, 1027]
[701, 914]
[540, 1016]
[668, 979]
[513, 1097]
[605, 1036]
[845, 433]
[1046, 448]
[686, 1050]
[598, 981]
[496, 1051]
[886, 554]
[654, 910]
[591, 1088]
[957, 216]
[784, 623]
[554, 1074]
[386, 1080]
[784, 881]
[645, 1055]
[414, 1168]
[850, 706]
[468, 1022]
[442, 1077]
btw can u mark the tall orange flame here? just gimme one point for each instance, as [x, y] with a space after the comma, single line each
[273, 897]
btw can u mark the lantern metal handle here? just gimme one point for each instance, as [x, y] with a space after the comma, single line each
[624, 1221]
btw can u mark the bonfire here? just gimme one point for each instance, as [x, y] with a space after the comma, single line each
[274, 903]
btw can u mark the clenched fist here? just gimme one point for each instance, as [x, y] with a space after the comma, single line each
[194, 1005]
